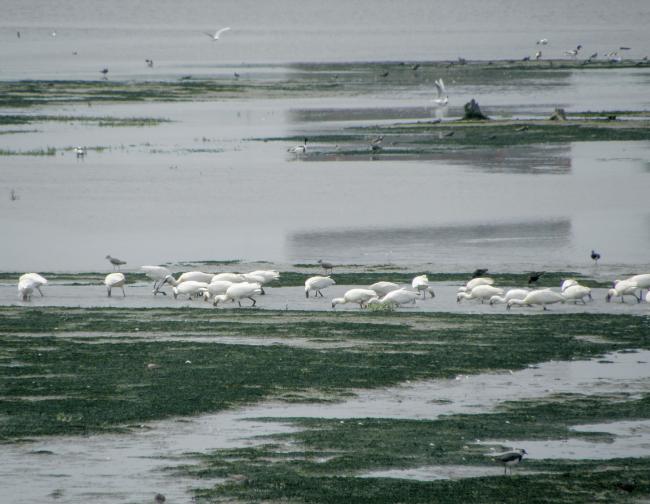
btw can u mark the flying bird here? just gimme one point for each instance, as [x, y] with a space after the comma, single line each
[441, 97]
[215, 36]
[542, 41]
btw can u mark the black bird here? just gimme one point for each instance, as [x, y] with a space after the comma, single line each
[385, 74]
[595, 256]
[149, 63]
[415, 67]
[534, 276]
[479, 272]
[510, 458]
[104, 71]
[326, 265]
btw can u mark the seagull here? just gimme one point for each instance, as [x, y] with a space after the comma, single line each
[298, 149]
[440, 100]
[316, 283]
[114, 280]
[115, 261]
[53, 34]
[509, 458]
[215, 36]
[542, 41]
[326, 265]
[595, 256]
[149, 63]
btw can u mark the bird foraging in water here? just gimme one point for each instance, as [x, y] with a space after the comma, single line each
[115, 261]
[534, 276]
[316, 284]
[595, 256]
[298, 149]
[509, 458]
[115, 280]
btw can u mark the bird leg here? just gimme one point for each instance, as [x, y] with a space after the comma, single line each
[239, 302]
[109, 291]
[40, 291]
[254, 302]
[123, 293]
[307, 294]
[262, 289]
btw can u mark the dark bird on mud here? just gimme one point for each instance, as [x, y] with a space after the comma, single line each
[595, 256]
[115, 262]
[326, 265]
[385, 74]
[375, 143]
[534, 276]
[415, 67]
[479, 272]
[159, 498]
[510, 458]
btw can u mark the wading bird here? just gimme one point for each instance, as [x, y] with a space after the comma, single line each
[215, 288]
[115, 280]
[298, 149]
[383, 288]
[192, 288]
[481, 292]
[115, 262]
[36, 281]
[509, 458]
[511, 294]
[316, 284]
[475, 282]
[577, 293]
[158, 275]
[541, 297]
[326, 265]
[421, 285]
[595, 256]
[397, 298]
[360, 296]
[239, 291]
[623, 288]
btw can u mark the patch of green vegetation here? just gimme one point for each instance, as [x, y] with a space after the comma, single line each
[65, 357]
[104, 121]
[320, 463]
[50, 151]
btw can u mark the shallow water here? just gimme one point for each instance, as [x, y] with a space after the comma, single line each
[128, 467]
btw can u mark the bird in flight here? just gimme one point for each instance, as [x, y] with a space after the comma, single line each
[441, 98]
[217, 34]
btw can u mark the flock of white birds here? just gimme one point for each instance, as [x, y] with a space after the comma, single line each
[234, 287]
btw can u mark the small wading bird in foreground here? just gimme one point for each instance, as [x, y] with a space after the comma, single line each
[115, 262]
[509, 458]
[215, 36]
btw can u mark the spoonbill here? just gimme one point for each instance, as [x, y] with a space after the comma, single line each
[26, 287]
[569, 282]
[421, 284]
[239, 291]
[577, 293]
[158, 275]
[509, 458]
[511, 294]
[262, 277]
[360, 296]
[37, 280]
[298, 149]
[542, 41]
[190, 287]
[215, 288]
[623, 288]
[80, 151]
[215, 36]
[475, 282]
[230, 277]
[481, 292]
[115, 280]
[399, 297]
[441, 98]
[642, 281]
[196, 276]
[115, 262]
[316, 284]
[540, 297]
[383, 288]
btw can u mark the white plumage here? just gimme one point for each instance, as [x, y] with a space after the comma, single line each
[540, 297]
[316, 284]
[421, 284]
[239, 291]
[115, 280]
[360, 296]
[158, 275]
[511, 294]
[481, 292]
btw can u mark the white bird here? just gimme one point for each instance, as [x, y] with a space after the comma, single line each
[115, 280]
[215, 36]
[215, 288]
[230, 277]
[538, 55]
[568, 283]
[37, 280]
[190, 287]
[157, 274]
[316, 284]
[573, 52]
[475, 282]
[262, 277]
[542, 41]
[481, 292]
[421, 284]
[647, 297]
[623, 288]
[115, 261]
[511, 294]
[239, 291]
[509, 458]
[399, 297]
[642, 281]
[383, 288]
[360, 296]
[80, 151]
[441, 98]
[26, 287]
[540, 297]
[577, 293]
[298, 149]
[196, 276]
